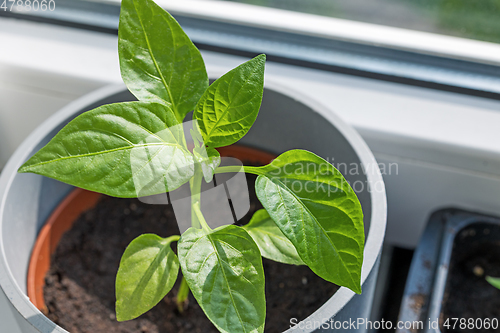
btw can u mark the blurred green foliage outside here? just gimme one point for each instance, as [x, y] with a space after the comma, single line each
[476, 19]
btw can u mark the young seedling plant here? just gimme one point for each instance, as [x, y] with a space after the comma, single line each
[311, 215]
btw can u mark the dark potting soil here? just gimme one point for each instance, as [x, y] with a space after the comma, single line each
[476, 254]
[80, 285]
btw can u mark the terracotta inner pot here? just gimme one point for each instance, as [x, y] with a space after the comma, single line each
[78, 201]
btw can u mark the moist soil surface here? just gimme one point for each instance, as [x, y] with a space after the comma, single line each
[476, 254]
[80, 285]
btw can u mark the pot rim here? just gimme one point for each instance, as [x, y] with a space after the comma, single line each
[374, 239]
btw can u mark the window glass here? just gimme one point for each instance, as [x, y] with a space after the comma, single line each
[476, 19]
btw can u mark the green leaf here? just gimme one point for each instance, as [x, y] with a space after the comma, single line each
[270, 240]
[224, 271]
[124, 150]
[229, 107]
[158, 61]
[148, 270]
[495, 282]
[209, 159]
[317, 210]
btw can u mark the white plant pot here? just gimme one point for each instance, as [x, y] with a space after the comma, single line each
[287, 120]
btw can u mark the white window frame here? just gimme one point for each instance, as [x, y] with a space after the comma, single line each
[446, 144]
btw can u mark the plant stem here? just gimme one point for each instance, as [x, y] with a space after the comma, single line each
[238, 168]
[201, 218]
[173, 238]
[195, 186]
[182, 295]
[197, 221]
